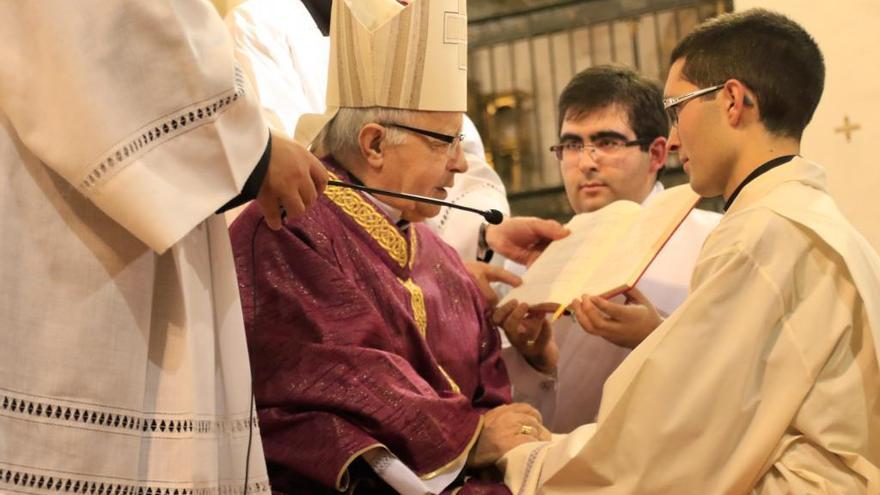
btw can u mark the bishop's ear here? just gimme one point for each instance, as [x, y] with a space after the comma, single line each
[371, 144]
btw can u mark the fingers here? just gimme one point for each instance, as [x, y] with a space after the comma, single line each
[512, 324]
[635, 296]
[478, 272]
[525, 409]
[498, 274]
[514, 413]
[271, 210]
[544, 333]
[531, 328]
[615, 311]
[294, 180]
[590, 317]
[319, 175]
[502, 312]
[549, 229]
[542, 434]
[295, 203]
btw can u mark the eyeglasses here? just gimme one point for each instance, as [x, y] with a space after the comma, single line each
[452, 141]
[674, 104]
[570, 152]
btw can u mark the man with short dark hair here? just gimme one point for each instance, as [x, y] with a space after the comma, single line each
[766, 379]
[612, 133]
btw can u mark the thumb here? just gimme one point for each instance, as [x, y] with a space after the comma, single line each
[635, 296]
[613, 310]
[550, 229]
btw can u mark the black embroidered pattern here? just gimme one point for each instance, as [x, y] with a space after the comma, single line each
[61, 484]
[170, 126]
[530, 464]
[82, 416]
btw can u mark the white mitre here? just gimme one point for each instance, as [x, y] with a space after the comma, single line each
[387, 55]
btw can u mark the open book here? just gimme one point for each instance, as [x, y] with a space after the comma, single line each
[607, 252]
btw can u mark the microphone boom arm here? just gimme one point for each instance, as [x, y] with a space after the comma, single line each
[492, 216]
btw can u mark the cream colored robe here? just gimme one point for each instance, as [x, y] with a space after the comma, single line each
[123, 127]
[764, 381]
[572, 397]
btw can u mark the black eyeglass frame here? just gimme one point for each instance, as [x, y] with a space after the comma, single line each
[446, 138]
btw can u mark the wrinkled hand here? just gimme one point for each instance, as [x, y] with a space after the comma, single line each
[294, 179]
[484, 274]
[522, 239]
[626, 324]
[503, 430]
[530, 333]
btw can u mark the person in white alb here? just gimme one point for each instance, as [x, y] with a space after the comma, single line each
[124, 126]
[612, 145]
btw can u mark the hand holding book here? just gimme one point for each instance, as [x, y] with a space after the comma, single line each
[607, 252]
[626, 325]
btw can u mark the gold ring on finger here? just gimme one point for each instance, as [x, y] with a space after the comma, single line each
[526, 429]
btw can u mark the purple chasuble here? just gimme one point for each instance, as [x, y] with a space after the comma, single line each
[361, 335]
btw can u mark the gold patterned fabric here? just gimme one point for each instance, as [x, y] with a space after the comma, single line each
[367, 216]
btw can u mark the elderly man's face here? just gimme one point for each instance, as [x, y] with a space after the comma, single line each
[422, 164]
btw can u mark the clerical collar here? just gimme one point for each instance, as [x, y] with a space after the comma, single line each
[763, 169]
[394, 213]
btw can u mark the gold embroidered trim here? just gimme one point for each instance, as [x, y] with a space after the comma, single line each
[417, 300]
[413, 246]
[366, 215]
[455, 387]
[342, 480]
[457, 460]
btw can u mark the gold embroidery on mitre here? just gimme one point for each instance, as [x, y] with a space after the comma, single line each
[366, 215]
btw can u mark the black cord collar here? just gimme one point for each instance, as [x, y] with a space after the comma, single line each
[763, 169]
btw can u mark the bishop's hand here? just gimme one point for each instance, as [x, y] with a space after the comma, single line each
[294, 179]
[530, 333]
[504, 428]
[484, 274]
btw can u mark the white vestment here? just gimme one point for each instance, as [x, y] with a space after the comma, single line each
[572, 397]
[287, 57]
[123, 127]
[765, 380]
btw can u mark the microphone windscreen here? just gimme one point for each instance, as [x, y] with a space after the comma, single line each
[493, 216]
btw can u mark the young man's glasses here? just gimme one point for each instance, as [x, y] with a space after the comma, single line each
[452, 141]
[674, 104]
[570, 152]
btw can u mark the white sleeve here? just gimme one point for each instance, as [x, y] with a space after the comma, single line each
[285, 56]
[398, 476]
[138, 105]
